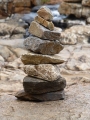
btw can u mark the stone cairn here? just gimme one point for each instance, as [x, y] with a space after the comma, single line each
[79, 8]
[43, 81]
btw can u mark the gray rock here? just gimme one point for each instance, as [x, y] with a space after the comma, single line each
[38, 86]
[44, 47]
[52, 96]
[35, 59]
[47, 72]
[41, 32]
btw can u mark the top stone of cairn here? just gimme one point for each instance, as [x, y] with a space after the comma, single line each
[45, 13]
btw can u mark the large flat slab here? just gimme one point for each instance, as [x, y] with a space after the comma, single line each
[35, 59]
[52, 96]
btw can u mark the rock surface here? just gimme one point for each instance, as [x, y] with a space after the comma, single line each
[60, 95]
[41, 32]
[44, 22]
[45, 13]
[74, 9]
[34, 59]
[75, 34]
[86, 3]
[38, 86]
[44, 47]
[47, 72]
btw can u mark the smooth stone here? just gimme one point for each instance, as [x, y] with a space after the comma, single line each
[38, 86]
[47, 72]
[44, 47]
[52, 96]
[41, 32]
[45, 23]
[45, 13]
[35, 59]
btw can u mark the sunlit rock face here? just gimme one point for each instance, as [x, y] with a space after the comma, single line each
[79, 8]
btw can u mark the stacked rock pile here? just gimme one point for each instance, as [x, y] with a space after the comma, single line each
[43, 81]
[79, 8]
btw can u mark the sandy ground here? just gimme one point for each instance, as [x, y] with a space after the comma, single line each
[76, 105]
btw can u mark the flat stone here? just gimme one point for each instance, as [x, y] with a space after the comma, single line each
[44, 22]
[45, 13]
[47, 72]
[35, 59]
[52, 96]
[86, 3]
[41, 32]
[44, 47]
[38, 86]
[22, 95]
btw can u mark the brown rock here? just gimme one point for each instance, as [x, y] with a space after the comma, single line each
[35, 59]
[44, 22]
[38, 86]
[45, 13]
[47, 72]
[86, 3]
[72, 1]
[44, 47]
[71, 8]
[22, 3]
[52, 96]
[41, 32]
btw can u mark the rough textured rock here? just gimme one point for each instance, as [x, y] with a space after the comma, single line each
[72, 1]
[47, 72]
[39, 86]
[88, 20]
[69, 8]
[6, 29]
[32, 58]
[41, 32]
[78, 33]
[22, 95]
[86, 3]
[22, 3]
[44, 22]
[44, 47]
[74, 9]
[45, 13]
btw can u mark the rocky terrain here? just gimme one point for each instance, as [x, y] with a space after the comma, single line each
[75, 69]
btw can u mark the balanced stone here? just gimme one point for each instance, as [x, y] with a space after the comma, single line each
[44, 22]
[38, 86]
[41, 32]
[35, 59]
[59, 95]
[44, 47]
[47, 72]
[45, 13]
